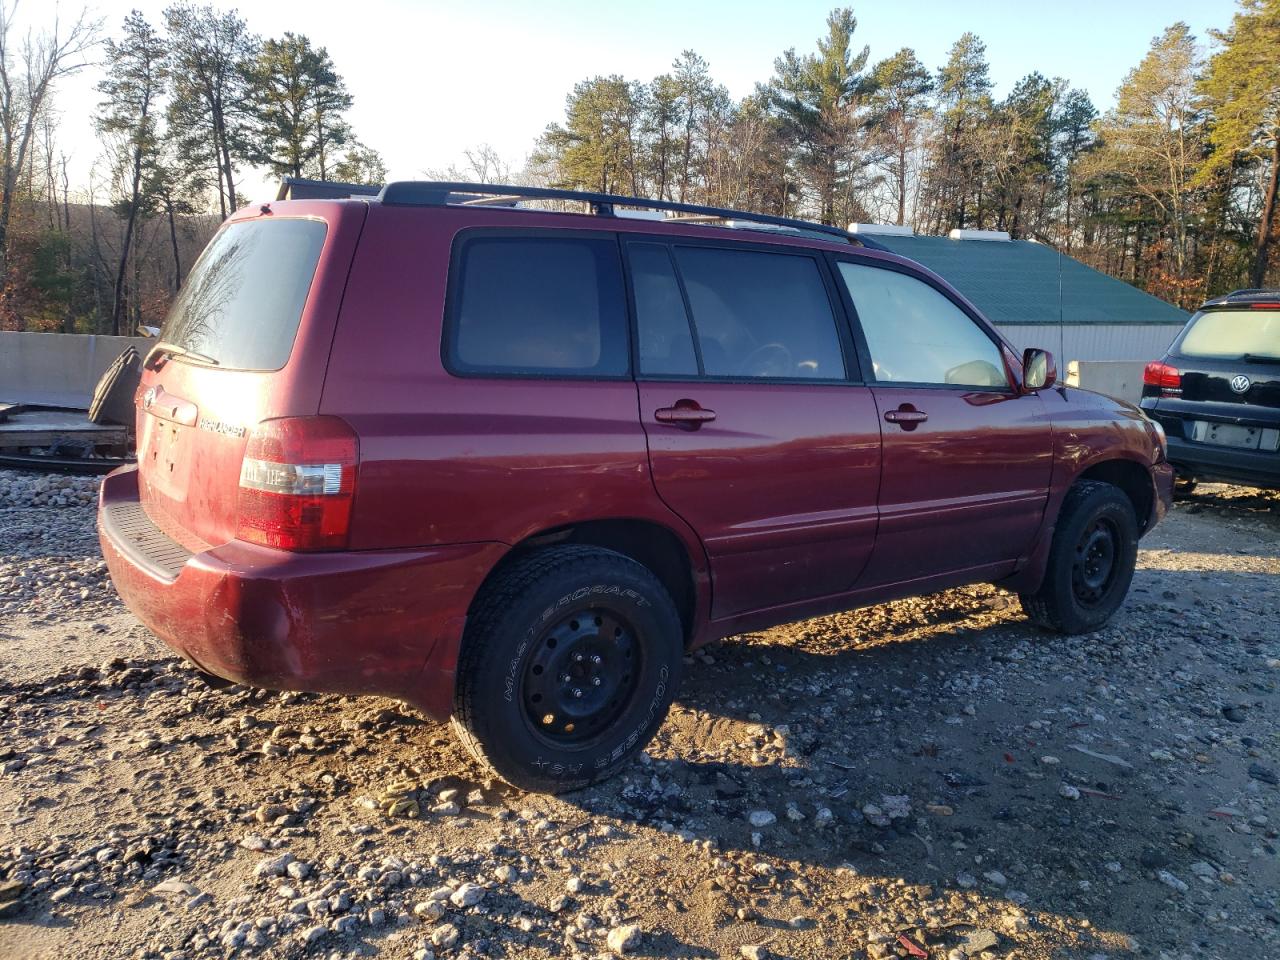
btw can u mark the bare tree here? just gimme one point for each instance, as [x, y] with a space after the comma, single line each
[28, 71]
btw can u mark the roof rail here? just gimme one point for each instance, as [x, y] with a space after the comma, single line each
[447, 193]
[300, 188]
[1246, 295]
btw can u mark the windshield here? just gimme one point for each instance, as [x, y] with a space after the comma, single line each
[1232, 335]
[242, 303]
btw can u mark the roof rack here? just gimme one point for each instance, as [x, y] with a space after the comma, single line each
[447, 193]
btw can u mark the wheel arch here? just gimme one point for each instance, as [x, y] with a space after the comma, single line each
[656, 547]
[1132, 477]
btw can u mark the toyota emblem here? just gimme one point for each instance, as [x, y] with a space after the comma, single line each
[1240, 383]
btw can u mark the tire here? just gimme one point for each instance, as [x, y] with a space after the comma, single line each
[1183, 485]
[1091, 561]
[559, 620]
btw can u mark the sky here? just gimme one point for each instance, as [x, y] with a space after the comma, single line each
[432, 79]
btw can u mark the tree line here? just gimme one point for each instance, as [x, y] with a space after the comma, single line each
[187, 104]
[1173, 189]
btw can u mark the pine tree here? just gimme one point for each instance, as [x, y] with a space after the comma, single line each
[898, 102]
[596, 148]
[1073, 128]
[360, 164]
[1154, 136]
[816, 98]
[964, 106]
[209, 112]
[1242, 86]
[136, 74]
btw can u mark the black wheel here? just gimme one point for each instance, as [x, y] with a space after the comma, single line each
[1091, 560]
[1184, 485]
[570, 661]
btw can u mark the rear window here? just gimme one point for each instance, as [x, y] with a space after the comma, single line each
[760, 315]
[1232, 335]
[539, 306]
[241, 305]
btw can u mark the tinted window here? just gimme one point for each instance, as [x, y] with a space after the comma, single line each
[241, 304]
[1232, 334]
[540, 306]
[916, 335]
[760, 314]
[662, 325]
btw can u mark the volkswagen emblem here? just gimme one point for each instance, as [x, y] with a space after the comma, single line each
[1240, 383]
[149, 397]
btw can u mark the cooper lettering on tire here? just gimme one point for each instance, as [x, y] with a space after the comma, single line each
[568, 667]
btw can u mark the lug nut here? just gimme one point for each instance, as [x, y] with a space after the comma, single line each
[564, 678]
[577, 658]
[596, 660]
[595, 681]
[577, 691]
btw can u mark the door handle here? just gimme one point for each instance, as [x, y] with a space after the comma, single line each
[685, 414]
[906, 416]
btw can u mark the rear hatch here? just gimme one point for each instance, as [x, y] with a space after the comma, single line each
[247, 340]
[1220, 383]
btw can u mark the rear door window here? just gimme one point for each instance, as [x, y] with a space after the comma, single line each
[662, 323]
[241, 305]
[538, 306]
[761, 315]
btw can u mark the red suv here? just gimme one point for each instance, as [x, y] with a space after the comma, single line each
[510, 464]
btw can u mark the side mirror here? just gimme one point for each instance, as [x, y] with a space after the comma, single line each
[1039, 371]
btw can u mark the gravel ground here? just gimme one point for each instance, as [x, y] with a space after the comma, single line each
[926, 778]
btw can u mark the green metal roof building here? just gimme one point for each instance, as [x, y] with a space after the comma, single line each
[1016, 284]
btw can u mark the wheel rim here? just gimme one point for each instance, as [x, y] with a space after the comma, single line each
[1096, 564]
[581, 675]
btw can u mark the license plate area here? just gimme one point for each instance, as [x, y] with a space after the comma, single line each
[1235, 435]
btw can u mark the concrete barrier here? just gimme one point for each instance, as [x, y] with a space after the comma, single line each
[57, 369]
[1121, 379]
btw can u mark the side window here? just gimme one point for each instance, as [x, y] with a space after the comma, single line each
[760, 314]
[532, 305]
[662, 324]
[916, 335]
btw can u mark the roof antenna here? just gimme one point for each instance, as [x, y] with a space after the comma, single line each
[1062, 330]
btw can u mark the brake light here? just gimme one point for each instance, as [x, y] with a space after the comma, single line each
[1164, 376]
[1264, 306]
[297, 484]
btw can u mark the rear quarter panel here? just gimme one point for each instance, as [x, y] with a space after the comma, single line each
[447, 459]
[191, 441]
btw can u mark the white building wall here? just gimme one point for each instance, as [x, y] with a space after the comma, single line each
[1095, 341]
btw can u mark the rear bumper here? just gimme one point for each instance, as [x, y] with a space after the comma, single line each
[1210, 462]
[358, 622]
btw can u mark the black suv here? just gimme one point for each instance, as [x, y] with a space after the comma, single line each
[1217, 392]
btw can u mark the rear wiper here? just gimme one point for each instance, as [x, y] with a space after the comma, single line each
[166, 349]
[1259, 358]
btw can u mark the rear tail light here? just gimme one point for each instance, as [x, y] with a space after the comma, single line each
[1164, 376]
[297, 484]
